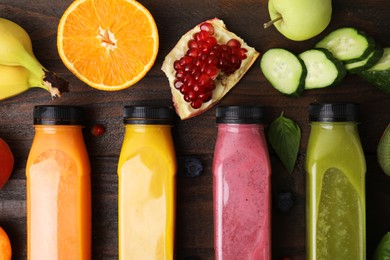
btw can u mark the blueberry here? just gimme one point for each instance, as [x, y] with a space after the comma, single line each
[190, 166]
[284, 201]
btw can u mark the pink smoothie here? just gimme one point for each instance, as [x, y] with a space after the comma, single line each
[241, 183]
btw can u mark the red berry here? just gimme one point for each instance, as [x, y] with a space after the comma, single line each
[242, 53]
[207, 27]
[196, 103]
[192, 44]
[97, 130]
[233, 43]
[178, 84]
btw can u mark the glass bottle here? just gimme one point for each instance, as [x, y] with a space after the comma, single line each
[146, 172]
[58, 186]
[241, 185]
[335, 167]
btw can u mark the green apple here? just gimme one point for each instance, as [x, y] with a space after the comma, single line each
[299, 20]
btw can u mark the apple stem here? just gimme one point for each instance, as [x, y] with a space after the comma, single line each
[270, 23]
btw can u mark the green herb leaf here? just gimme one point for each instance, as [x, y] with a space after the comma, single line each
[284, 136]
[382, 252]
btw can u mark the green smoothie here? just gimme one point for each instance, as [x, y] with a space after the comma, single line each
[335, 209]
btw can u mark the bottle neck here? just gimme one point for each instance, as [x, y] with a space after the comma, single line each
[142, 128]
[54, 129]
[240, 128]
[334, 125]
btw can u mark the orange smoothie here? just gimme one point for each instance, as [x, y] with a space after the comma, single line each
[146, 174]
[58, 193]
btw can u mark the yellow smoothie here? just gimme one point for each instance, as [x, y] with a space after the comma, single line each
[146, 172]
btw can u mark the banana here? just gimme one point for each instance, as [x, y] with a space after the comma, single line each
[15, 80]
[16, 51]
[9, 27]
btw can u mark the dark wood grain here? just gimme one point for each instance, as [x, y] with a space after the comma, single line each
[196, 136]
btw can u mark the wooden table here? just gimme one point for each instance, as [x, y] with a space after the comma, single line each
[195, 136]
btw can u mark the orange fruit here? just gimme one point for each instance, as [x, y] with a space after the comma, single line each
[5, 246]
[108, 44]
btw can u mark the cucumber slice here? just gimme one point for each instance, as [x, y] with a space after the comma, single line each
[323, 69]
[348, 44]
[284, 70]
[366, 64]
[379, 74]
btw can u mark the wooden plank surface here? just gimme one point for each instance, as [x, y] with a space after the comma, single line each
[195, 136]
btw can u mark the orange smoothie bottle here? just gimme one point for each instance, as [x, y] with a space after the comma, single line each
[146, 175]
[58, 187]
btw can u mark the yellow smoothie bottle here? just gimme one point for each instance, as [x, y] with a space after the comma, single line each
[336, 167]
[146, 175]
[58, 187]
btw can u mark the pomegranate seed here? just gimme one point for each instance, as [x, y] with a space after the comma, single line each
[211, 41]
[203, 67]
[212, 71]
[179, 74]
[178, 84]
[205, 48]
[204, 35]
[187, 77]
[233, 43]
[207, 27]
[195, 70]
[201, 36]
[210, 87]
[186, 99]
[192, 53]
[242, 53]
[197, 62]
[222, 64]
[176, 65]
[203, 56]
[97, 130]
[184, 89]
[192, 95]
[191, 82]
[197, 75]
[196, 103]
[203, 79]
[185, 60]
[225, 48]
[205, 96]
[187, 67]
[192, 44]
[234, 60]
[212, 60]
[196, 87]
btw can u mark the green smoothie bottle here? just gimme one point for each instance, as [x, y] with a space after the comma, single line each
[335, 199]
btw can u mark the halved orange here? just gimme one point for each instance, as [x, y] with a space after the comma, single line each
[108, 44]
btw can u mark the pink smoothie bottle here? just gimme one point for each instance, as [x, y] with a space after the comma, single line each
[241, 185]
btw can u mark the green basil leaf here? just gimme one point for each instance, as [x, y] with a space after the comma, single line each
[284, 136]
[382, 252]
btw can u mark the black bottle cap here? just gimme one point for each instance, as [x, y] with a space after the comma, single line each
[148, 115]
[240, 114]
[333, 112]
[58, 115]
